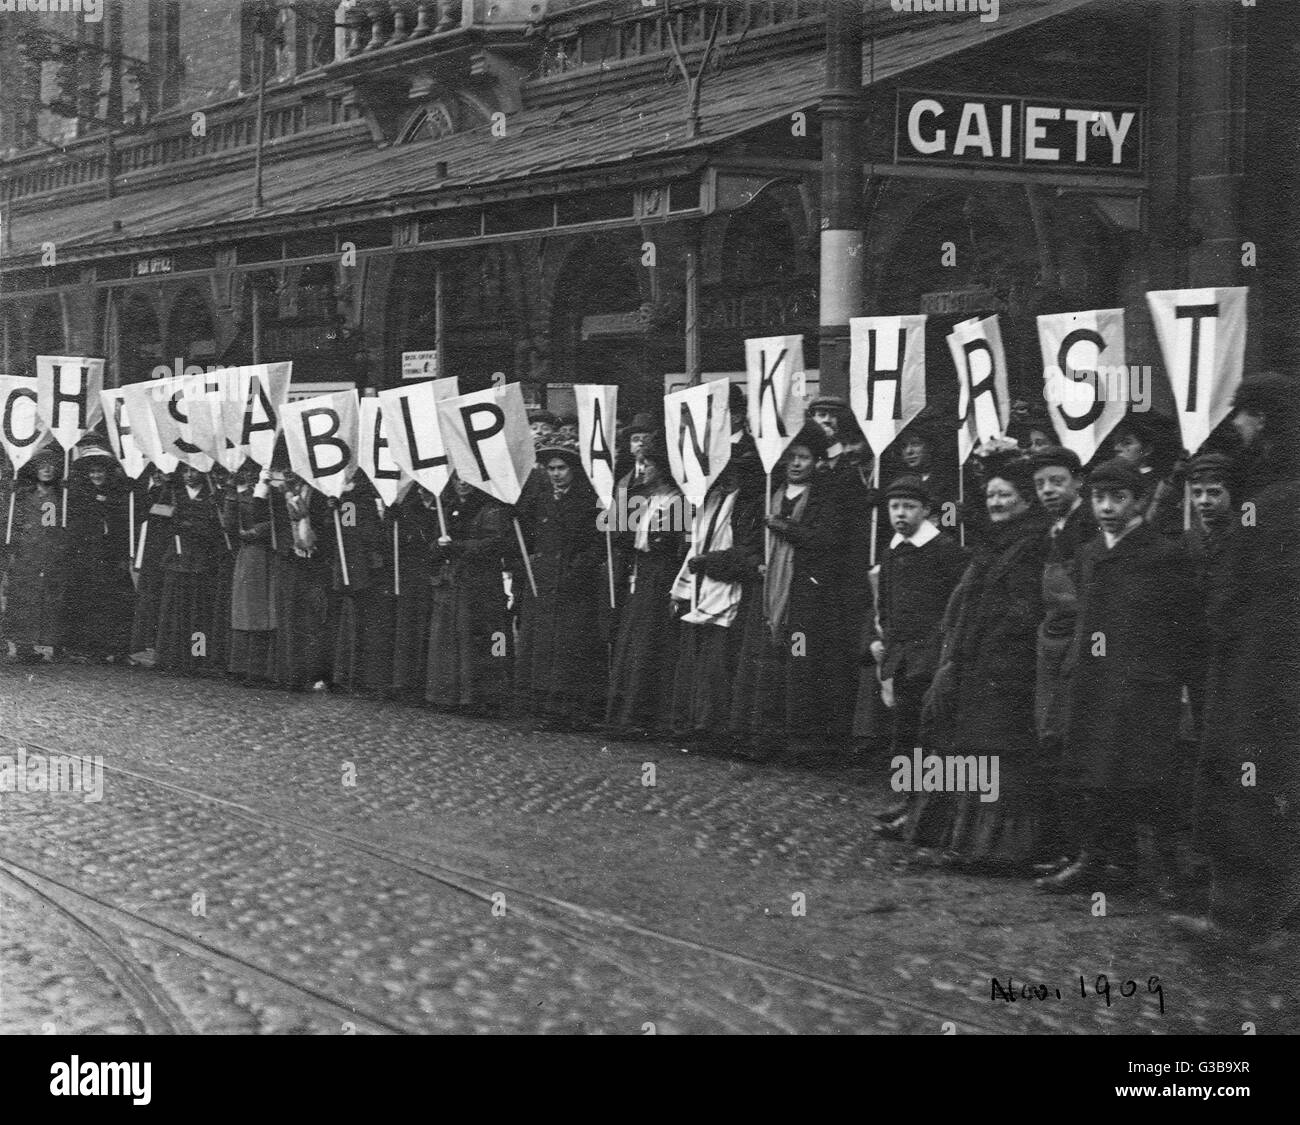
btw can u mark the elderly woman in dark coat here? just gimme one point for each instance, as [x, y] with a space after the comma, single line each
[789, 692]
[981, 702]
[100, 600]
[561, 673]
[645, 649]
[469, 637]
[37, 573]
[187, 604]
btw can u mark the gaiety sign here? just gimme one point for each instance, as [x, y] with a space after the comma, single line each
[996, 131]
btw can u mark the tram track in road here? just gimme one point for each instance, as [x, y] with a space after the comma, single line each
[587, 928]
[152, 1004]
[91, 915]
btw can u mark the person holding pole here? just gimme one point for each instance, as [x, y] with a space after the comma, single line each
[413, 530]
[789, 696]
[252, 602]
[37, 560]
[645, 650]
[918, 574]
[100, 600]
[363, 582]
[187, 613]
[304, 641]
[153, 511]
[562, 674]
[468, 637]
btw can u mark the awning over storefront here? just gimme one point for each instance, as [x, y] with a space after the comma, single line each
[606, 130]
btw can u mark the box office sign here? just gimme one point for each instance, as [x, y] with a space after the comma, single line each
[997, 131]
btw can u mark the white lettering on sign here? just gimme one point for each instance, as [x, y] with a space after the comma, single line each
[1009, 131]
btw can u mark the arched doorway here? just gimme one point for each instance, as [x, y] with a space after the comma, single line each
[598, 322]
[139, 339]
[190, 334]
[766, 285]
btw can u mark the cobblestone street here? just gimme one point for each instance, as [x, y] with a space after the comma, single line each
[483, 877]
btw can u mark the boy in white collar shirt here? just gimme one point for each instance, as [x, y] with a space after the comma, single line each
[917, 576]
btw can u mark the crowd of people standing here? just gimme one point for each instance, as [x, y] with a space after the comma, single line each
[1125, 667]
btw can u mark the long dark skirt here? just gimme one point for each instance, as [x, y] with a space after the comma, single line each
[223, 581]
[707, 657]
[411, 640]
[645, 652]
[1003, 835]
[304, 640]
[469, 651]
[757, 720]
[99, 609]
[185, 623]
[561, 673]
[363, 646]
[148, 595]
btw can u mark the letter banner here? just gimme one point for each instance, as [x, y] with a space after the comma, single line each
[21, 431]
[597, 406]
[415, 443]
[886, 375]
[120, 435]
[1202, 335]
[321, 435]
[250, 411]
[1085, 376]
[375, 455]
[68, 395]
[488, 440]
[206, 396]
[183, 430]
[774, 384]
[983, 409]
[137, 403]
[697, 427]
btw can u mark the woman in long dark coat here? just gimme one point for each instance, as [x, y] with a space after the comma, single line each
[1252, 707]
[99, 603]
[304, 639]
[789, 689]
[713, 595]
[984, 690]
[561, 673]
[153, 512]
[409, 520]
[645, 649]
[363, 649]
[37, 560]
[252, 598]
[187, 615]
[469, 640]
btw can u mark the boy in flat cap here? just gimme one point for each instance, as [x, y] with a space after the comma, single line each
[1058, 484]
[917, 576]
[1134, 649]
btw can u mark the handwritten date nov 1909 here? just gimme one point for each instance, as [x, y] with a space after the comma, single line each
[1011, 992]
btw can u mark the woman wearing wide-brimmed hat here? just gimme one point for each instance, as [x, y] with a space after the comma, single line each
[645, 649]
[37, 560]
[561, 672]
[100, 600]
